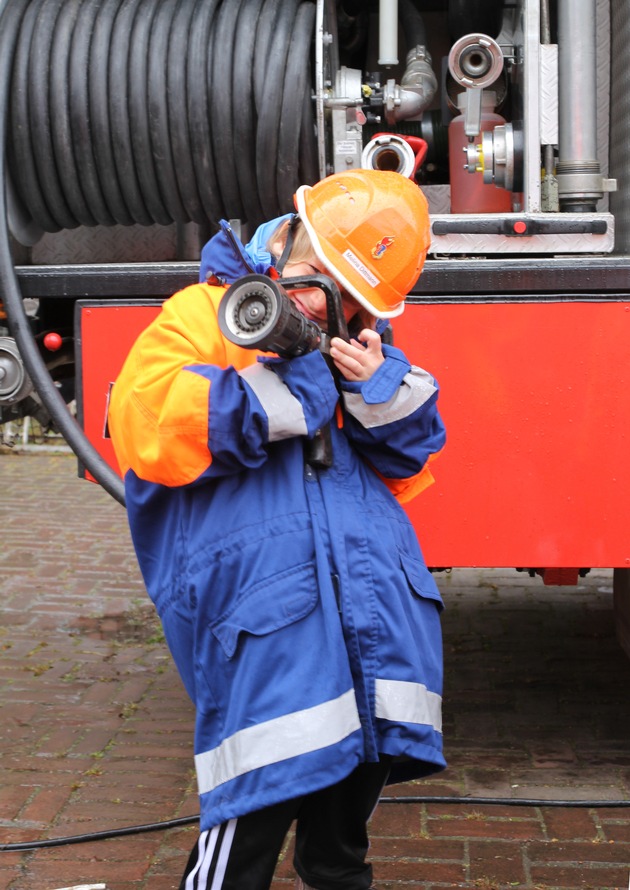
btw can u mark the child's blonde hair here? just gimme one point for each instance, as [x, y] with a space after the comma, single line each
[301, 245]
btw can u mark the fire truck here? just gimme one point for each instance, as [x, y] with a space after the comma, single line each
[130, 127]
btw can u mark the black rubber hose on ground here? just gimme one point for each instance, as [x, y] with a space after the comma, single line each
[182, 821]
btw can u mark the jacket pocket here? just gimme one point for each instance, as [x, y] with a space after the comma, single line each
[420, 579]
[270, 605]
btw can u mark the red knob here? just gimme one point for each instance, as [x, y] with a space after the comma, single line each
[52, 341]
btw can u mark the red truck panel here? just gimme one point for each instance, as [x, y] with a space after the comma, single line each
[536, 399]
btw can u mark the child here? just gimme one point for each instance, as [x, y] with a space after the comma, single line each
[295, 600]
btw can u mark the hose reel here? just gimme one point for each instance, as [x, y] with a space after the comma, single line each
[156, 111]
[119, 112]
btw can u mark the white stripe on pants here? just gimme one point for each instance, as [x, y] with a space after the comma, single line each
[213, 850]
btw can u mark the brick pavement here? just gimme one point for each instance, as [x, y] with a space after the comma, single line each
[96, 729]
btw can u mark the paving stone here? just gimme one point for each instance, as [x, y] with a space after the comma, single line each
[96, 729]
[580, 877]
[570, 824]
[497, 862]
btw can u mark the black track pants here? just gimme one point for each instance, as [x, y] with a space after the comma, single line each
[331, 840]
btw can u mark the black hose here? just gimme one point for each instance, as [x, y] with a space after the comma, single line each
[269, 14]
[244, 123]
[268, 132]
[296, 85]
[97, 113]
[159, 111]
[472, 16]
[222, 111]
[179, 132]
[139, 112]
[159, 130]
[25, 174]
[191, 820]
[197, 104]
[61, 124]
[147, 112]
[80, 137]
[12, 298]
[117, 99]
[40, 68]
[412, 24]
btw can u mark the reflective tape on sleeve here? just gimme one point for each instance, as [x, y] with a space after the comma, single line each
[417, 388]
[284, 412]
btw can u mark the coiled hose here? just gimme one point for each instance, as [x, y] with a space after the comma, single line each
[122, 112]
[157, 111]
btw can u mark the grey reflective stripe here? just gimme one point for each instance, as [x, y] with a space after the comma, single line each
[284, 412]
[403, 702]
[257, 746]
[417, 387]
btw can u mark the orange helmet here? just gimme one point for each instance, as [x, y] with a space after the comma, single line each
[370, 228]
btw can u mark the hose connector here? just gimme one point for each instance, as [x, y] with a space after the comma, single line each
[389, 151]
[417, 88]
[15, 384]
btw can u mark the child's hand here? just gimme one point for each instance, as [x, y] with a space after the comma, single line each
[357, 361]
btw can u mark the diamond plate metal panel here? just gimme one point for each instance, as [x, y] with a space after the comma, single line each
[115, 244]
[602, 17]
[549, 94]
[531, 96]
[438, 198]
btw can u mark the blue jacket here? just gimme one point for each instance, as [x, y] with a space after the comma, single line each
[295, 601]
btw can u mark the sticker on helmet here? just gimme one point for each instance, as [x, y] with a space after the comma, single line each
[385, 242]
[361, 268]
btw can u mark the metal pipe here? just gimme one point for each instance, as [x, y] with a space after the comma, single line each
[579, 176]
[578, 80]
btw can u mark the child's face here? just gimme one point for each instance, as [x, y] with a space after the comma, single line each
[311, 301]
